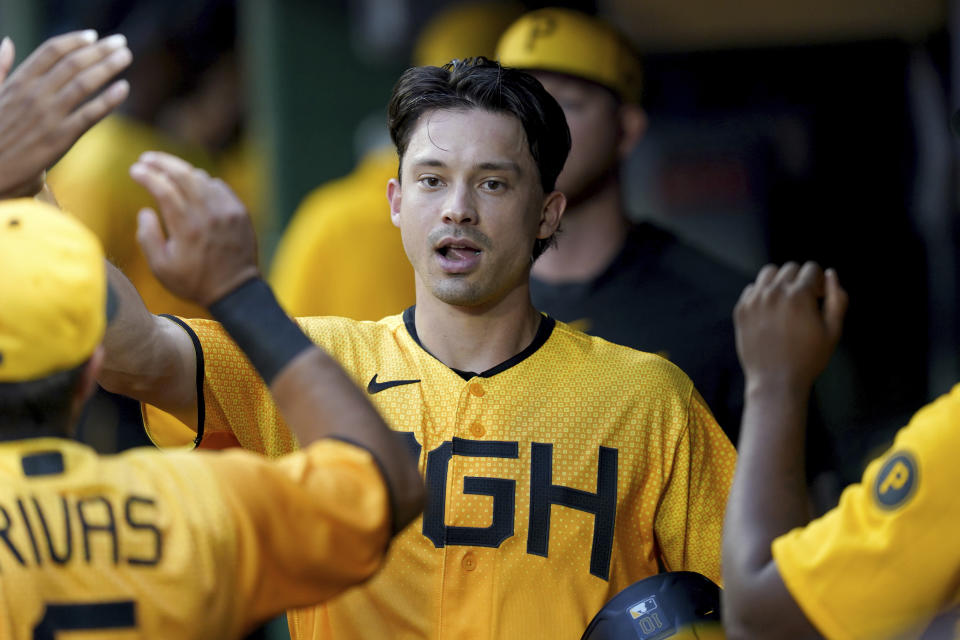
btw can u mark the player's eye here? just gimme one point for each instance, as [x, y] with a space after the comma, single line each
[431, 182]
[493, 185]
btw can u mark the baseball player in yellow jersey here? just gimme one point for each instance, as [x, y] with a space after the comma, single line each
[883, 563]
[560, 467]
[146, 544]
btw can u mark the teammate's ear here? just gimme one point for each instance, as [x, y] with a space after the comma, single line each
[553, 207]
[633, 124]
[393, 197]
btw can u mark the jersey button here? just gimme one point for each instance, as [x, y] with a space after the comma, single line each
[477, 389]
[477, 429]
[469, 561]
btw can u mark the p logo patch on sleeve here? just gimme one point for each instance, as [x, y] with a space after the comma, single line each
[897, 480]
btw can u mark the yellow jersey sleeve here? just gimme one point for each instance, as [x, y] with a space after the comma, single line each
[881, 564]
[234, 398]
[689, 521]
[307, 525]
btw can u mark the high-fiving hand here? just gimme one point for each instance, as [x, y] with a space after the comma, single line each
[209, 247]
[783, 332]
[51, 100]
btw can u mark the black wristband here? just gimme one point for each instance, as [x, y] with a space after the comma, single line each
[253, 318]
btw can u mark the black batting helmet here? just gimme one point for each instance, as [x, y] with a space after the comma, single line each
[681, 605]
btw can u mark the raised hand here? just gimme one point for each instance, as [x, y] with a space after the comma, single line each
[209, 247]
[783, 332]
[51, 100]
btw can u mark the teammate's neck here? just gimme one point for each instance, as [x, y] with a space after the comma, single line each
[594, 230]
[476, 338]
[30, 430]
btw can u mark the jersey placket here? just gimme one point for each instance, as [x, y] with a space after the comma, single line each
[469, 569]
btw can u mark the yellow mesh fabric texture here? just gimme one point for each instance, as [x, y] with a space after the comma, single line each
[872, 570]
[571, 403]
[345, 223]
[185, 545]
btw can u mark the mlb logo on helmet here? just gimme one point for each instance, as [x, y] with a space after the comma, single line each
[679, 605]
[651, 624]
[643, 607]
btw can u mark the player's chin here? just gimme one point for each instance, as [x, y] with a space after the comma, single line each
[459, 291]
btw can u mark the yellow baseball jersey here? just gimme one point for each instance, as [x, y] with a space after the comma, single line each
[181, 545]
[884, 562]
[554, 480]
[341, 240]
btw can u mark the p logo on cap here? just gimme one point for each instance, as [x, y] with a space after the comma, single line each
[575, 44]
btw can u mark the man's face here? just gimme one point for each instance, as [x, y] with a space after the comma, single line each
[592, 115]
[470, 205]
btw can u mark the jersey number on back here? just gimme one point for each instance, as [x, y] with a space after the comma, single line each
[121, 614]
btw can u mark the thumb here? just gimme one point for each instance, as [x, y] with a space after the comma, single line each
[834, 306]
[7, 55]
[151, 239]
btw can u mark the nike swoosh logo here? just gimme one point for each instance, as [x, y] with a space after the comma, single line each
[377, 387]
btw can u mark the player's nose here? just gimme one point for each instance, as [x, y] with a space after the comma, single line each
[459, 207]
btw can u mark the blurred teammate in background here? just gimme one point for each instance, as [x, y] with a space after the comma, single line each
[186, 99]
[373, 276]
[632, 283]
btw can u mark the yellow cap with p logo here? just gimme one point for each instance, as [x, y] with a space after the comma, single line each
[53, 291]
[573, 43]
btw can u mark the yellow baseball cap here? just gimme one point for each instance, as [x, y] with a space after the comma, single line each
[573, 43]
[464, 31]
[53, 291]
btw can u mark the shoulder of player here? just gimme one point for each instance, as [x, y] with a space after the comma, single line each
[931, 431]
[320, 329]
[606, 358]
[323, 328]
[705, 273]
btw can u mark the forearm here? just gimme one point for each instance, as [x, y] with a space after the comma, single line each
[147, 357]
[318, 400]
[768, 497]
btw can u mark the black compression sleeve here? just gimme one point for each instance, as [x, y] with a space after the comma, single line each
[253, 318]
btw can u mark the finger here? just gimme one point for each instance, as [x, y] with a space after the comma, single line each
[78, 122]
[834, 305]
[70, 66]
[190, 180]
[745, 296]
[7, 55]
[220, 191]
[51, 51]
[810, 277]
[168, 195]
[151, 239]
[86, 81]
[766, 275]
[786, 275]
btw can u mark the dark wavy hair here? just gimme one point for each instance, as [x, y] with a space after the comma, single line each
[478, 83]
